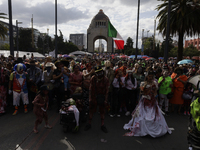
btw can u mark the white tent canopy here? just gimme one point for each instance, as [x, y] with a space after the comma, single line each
[80, 53]
[6, 53]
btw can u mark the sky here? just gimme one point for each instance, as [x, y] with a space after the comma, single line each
[75, 16]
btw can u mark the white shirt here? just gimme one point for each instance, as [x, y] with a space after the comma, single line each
[130, 85]
[116, 82]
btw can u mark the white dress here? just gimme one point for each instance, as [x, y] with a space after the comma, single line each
[147, 119]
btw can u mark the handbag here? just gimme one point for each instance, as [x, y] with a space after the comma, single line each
[187, 95]
[170, 95]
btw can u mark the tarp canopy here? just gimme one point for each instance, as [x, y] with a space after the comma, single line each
[80, 53]
[6, 53]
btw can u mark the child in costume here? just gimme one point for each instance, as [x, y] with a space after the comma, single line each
[18, 82]
[40, 108]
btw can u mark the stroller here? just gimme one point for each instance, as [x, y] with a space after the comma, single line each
[69, 116]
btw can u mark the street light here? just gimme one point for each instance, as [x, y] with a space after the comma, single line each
[17, 35]
[147, 33]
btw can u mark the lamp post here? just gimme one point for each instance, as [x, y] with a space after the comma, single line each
[56, 48]
[167, 35]
[10, 28]
[136, 52]
[17, 35]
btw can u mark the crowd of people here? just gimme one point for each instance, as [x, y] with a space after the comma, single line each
[142, 89]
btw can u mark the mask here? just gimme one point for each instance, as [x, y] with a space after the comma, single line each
[48, 69]
[99, 74]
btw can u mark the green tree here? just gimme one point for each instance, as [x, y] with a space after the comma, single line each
[191, 51]
[173, 52]
[128, 47]
[5, 47]
[3, 30]
[162, 50]
[184, 20]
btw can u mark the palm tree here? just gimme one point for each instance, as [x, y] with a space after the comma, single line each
[3, 30]
[184, 20]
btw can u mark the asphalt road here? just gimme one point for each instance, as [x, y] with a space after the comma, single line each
[18, 130]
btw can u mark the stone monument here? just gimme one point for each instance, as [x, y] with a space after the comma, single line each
[98, 29]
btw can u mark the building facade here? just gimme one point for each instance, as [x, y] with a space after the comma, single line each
[194, 42]
[79, 40]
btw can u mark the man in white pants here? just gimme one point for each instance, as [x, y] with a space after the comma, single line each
[18, 79]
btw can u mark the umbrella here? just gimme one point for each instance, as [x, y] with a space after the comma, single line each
[123, 56]
[185, 61]
[72, 55]
[132, 56]
[78, 60]
[112, 55]
[160, 58]
[145, 57]
[65, 55]
[150, 58]
[195, 80]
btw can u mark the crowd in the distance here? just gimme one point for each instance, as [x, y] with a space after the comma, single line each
[22, 78]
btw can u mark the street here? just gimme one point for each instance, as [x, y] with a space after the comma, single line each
[18, 130]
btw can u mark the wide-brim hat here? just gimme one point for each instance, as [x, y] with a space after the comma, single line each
[98, 69]
[48, 64]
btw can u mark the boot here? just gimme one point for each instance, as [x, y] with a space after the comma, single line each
[25, 109]
[16, 110]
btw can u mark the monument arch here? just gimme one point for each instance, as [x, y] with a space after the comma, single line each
[98, 29]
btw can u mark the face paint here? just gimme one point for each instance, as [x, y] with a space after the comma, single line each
[20, 68]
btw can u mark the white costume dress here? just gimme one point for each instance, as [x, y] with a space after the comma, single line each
[147, 118]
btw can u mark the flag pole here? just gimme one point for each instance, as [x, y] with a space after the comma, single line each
[136, 52]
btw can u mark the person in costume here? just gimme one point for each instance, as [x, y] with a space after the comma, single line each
[34, 74]
[18, 86]
[147, 118]
[165, 84]
[40, 108]
[179, 81]
[98, 95]
[4, 79]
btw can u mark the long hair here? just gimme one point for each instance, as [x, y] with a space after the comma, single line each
[132, 78]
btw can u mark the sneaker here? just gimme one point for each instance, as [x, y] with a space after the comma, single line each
[112, 115]
[15, 112]
[188, 113]
[87, 127]
[48, 126]
[25, 110]
[118, 115]
[127, 113]
[104, 129]
[184, 112]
